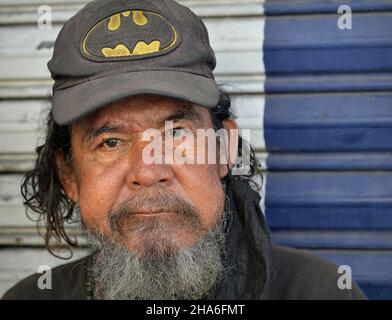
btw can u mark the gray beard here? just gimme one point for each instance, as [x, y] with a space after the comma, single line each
[187, 273]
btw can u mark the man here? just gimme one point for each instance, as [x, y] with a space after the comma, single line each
[160, 229]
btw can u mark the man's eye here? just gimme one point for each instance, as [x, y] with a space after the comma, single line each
[110, 143]
[178, 132]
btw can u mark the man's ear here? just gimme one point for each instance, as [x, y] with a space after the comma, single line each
[67, 177]
[231, 146]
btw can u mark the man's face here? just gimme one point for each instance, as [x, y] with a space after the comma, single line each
[145, 207]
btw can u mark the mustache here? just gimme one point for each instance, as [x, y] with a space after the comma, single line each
[152, 202]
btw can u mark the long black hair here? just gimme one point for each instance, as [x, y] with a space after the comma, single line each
[43, 193]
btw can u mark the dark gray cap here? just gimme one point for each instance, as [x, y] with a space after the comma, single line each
[112, 49]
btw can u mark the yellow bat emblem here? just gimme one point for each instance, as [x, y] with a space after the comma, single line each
[129, 34]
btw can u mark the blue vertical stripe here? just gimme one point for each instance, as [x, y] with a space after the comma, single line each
[328, 133]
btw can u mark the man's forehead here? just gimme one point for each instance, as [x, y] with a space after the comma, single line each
[145, 110]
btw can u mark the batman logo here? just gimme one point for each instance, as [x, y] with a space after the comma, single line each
[131, 34]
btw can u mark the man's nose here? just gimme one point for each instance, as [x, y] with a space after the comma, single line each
[143, 174]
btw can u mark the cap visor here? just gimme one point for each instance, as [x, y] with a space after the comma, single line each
[72, 103]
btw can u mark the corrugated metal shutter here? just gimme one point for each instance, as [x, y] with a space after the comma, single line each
[235, 28]
[326, 116]
[328, 131]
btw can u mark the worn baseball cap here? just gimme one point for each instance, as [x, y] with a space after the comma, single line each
[113, 49]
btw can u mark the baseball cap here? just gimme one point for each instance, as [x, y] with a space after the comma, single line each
[113, 49]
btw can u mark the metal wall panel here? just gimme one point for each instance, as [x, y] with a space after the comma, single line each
[328, 132]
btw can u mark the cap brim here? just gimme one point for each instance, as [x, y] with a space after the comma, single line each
[72, 103]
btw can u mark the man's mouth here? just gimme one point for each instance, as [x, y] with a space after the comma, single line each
[153, 213]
